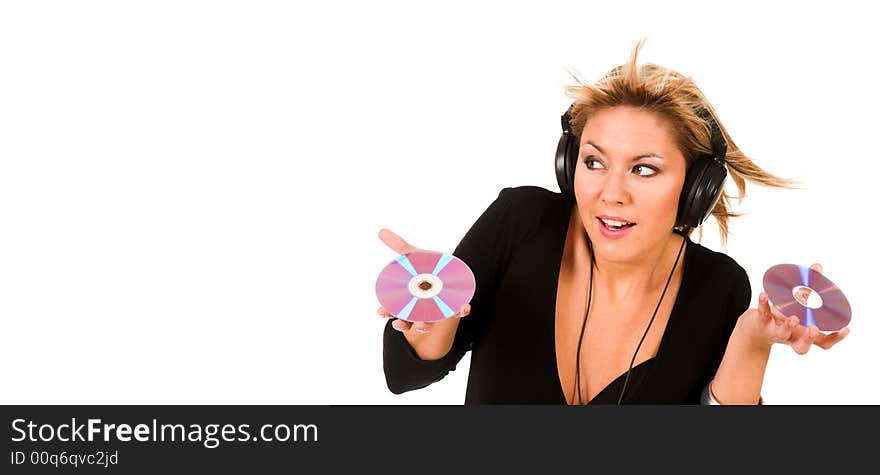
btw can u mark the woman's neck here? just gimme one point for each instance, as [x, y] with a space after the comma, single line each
[633, 280]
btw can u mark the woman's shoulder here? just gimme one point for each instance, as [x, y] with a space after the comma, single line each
[519, 212]
[532, 199]
[532, 195]
[713, 268]
[533, 207]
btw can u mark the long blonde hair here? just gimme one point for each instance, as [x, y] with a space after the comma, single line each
[677, 99]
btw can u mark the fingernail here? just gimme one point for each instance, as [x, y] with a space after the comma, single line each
[422, 330]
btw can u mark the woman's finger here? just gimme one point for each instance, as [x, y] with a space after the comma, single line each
[768, 313]
[778, 315]
[827, 341]
[395, 242]
[780, 332]
[384, 313]
[401, 325]
[803, 344]
[803, 295]
[423, 327]
[764, 306]
[465, 310]
[816, 267]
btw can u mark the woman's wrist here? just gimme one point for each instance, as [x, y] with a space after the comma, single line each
[707, 398]
[433, 345]
[746, 339]
[740, 376]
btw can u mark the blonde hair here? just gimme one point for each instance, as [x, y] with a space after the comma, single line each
[677, 99]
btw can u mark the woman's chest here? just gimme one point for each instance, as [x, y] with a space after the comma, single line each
[599, 347]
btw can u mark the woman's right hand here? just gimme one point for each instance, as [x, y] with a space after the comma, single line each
[399, 245]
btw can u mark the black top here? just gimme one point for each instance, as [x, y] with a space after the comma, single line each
[515, 251]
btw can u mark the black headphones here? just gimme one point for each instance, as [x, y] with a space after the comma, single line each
[703, 183]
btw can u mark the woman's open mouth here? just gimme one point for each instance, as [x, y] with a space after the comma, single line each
[614, 227]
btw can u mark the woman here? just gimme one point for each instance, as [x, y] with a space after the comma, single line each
[597, 294]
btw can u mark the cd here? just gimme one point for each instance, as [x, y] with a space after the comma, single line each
[826, 307]
[425, 286]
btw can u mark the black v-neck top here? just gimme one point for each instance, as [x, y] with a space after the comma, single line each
[515, 251]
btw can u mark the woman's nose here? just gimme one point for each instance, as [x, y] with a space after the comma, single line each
[614, 189]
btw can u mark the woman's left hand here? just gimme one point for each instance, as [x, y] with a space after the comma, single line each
[766, 325]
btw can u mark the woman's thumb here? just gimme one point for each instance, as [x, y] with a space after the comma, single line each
[395, 242]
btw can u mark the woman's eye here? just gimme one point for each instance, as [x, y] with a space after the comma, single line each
[592, 163]
[644, 170]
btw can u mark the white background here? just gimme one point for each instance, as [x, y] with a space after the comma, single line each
[190, 192]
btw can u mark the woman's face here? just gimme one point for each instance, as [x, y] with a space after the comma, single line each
[631, 171]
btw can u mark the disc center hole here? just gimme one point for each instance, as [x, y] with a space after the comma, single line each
[425, 285]
[807, 296]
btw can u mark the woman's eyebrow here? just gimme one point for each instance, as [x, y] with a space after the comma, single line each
[637, 157]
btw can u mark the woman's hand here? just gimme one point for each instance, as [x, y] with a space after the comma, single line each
[766, 325]
[400, 246]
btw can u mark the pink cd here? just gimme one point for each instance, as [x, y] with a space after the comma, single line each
[802, 291]
[425, 286]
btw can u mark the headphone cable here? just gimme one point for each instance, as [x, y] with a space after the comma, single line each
[625, 381]
[581, 339]
[587, 313]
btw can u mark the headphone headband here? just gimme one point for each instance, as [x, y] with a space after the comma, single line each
[719, 145]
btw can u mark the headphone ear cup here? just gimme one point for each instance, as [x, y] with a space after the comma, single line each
[571, 156]
[565, 162]
[702, 189]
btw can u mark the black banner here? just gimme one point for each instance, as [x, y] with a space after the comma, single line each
[259, 439]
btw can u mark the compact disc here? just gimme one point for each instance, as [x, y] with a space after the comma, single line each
[425, 286]
[789, 287]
